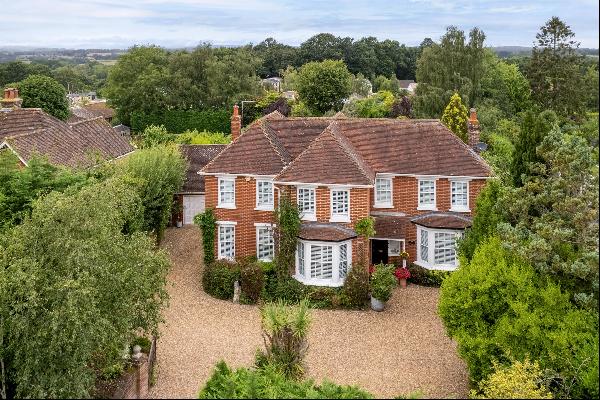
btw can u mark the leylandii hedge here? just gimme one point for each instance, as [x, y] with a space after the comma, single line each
[179, 121]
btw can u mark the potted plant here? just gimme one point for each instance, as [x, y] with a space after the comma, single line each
[402, 274]
[382, 284]
[404, 256]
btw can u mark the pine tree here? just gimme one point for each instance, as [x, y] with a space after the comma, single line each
[455, 117]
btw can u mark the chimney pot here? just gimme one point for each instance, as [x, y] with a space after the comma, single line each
[11, 98]
[236, 123]
[473, 128]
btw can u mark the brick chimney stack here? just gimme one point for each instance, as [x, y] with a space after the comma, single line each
[236, 123]
[473, 128]
[11, 98]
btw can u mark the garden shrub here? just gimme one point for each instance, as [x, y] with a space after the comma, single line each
[178, 121]
[520, 380]
[383, 282]
[269, 383]
[355, 292]
[207, 221]
[289, 290]
[284, 332]
[324, 297]
[252, 279]
[498, 308]
[219, 277]
[426, 277]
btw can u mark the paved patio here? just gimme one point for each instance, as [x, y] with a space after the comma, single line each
[394, 352]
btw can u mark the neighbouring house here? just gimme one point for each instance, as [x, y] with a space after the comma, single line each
[415, 177]
[191, 199]
[29, 131]
[272, 83]
[408, 85]
[91, 110]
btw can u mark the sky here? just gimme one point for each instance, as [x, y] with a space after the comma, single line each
[185, 23]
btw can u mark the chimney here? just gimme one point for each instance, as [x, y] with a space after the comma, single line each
[236, 123]
[11, 98]
[473, 128]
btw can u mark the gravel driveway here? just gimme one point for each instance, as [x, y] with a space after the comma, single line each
[394, 352]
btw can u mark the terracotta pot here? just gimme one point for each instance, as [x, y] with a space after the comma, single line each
[403, 283]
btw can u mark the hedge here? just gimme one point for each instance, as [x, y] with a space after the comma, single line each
[178, 121]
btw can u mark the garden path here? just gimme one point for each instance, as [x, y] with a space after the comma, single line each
[398, 351]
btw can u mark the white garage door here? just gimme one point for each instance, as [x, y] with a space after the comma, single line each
[192, 206]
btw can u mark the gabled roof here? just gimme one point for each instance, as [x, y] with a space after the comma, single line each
[89, 111]
[328, 159]
[30, 131]
[361, 146]
[197, 156]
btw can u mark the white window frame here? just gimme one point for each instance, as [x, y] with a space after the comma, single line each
[336, 280]
[220, 203]
[430, 263]
[306, 216]
[460, 208]
[387, 204]
[225, 224]
[259, 227]
[430, 207]
[266, 206]
[402, 244]
[338, 217]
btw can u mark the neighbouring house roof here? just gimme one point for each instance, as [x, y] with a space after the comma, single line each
[443, 220]
[347, 150]
[197, 155]
[92, 110]
[30, 131]
[391, 227]
[325, 232]
[404, 83]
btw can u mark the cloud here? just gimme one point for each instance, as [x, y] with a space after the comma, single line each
[115, 23]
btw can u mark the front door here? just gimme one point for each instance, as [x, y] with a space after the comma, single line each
[192, 206]
[379, 251]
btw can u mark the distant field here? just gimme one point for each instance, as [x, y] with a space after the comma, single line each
[107, 62]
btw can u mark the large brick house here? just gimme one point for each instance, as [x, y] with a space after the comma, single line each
[415, 177]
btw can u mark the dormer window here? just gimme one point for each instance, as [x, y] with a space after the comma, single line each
[383, 192]
[340, 205]
[226, 192]
[426, 194]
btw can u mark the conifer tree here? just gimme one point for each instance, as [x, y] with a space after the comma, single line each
[455, 117]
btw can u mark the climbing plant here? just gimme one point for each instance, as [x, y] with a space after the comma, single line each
[286, 234]
[208, 225]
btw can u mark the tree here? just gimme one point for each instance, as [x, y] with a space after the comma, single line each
[533, 130]
[552, 220]
[379, 105]
[498, 308]
[158, 174]
[521, 380]
[402, 108]
[275, 57]
[455, 117]
[16, 71]
[77, 282]
[43, 92]
[324, 85]
[454, 65]
[361, 85]
[554, 72]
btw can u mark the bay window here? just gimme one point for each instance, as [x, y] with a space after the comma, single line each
[437, 248]
[340, 205]
[226, 192]
[323, 263]
[426, 194]
[459, 192]
[306, 198]
[383, 192]
[264, 195]
[226, 240]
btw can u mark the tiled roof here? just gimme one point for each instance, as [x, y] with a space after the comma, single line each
[443, 220]
[328, 159]
[412, 147]
[197, 155]
[93, 110]
[30, 131]
[391, 227]
[325, 232]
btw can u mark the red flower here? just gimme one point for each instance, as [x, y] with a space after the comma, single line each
[371, 269]
[402, 273]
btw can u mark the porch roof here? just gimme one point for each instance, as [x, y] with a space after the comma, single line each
[443, 220]
[391, 227]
